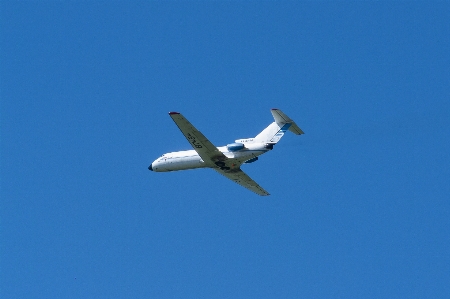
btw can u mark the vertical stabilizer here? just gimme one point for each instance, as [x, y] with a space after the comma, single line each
[281, 118]
[273, 133]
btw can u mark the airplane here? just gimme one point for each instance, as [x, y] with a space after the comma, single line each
[226, 160]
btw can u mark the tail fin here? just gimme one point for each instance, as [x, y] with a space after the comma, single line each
[273, 133]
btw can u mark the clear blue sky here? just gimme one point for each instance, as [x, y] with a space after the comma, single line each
[359, 205]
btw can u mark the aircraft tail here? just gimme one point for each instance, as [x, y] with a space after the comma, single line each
[273, 133]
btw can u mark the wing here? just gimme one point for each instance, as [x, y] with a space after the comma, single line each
[210, 154]
[238, 176]
[205, 149]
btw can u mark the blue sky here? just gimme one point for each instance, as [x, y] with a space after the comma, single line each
[359, 205]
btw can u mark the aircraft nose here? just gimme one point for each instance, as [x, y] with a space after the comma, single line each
[150, 167]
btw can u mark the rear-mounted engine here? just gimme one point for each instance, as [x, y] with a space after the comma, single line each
[233, 147]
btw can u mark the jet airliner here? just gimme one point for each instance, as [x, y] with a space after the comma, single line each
[226, 160]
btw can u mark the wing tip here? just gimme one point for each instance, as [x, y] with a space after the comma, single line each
[170, 113]
[274, 109]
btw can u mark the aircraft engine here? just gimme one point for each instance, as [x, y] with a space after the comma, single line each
[234, 147]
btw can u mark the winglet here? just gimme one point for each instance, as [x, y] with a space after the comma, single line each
[170, 113]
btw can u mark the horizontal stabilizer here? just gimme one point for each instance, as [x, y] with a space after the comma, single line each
[281, 119]
[273, 133]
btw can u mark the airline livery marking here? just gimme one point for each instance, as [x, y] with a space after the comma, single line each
[225, 160]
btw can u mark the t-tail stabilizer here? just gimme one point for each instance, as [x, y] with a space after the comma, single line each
[273, 133]
[228, 159]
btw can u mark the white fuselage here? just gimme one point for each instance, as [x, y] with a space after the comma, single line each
[190, 159]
